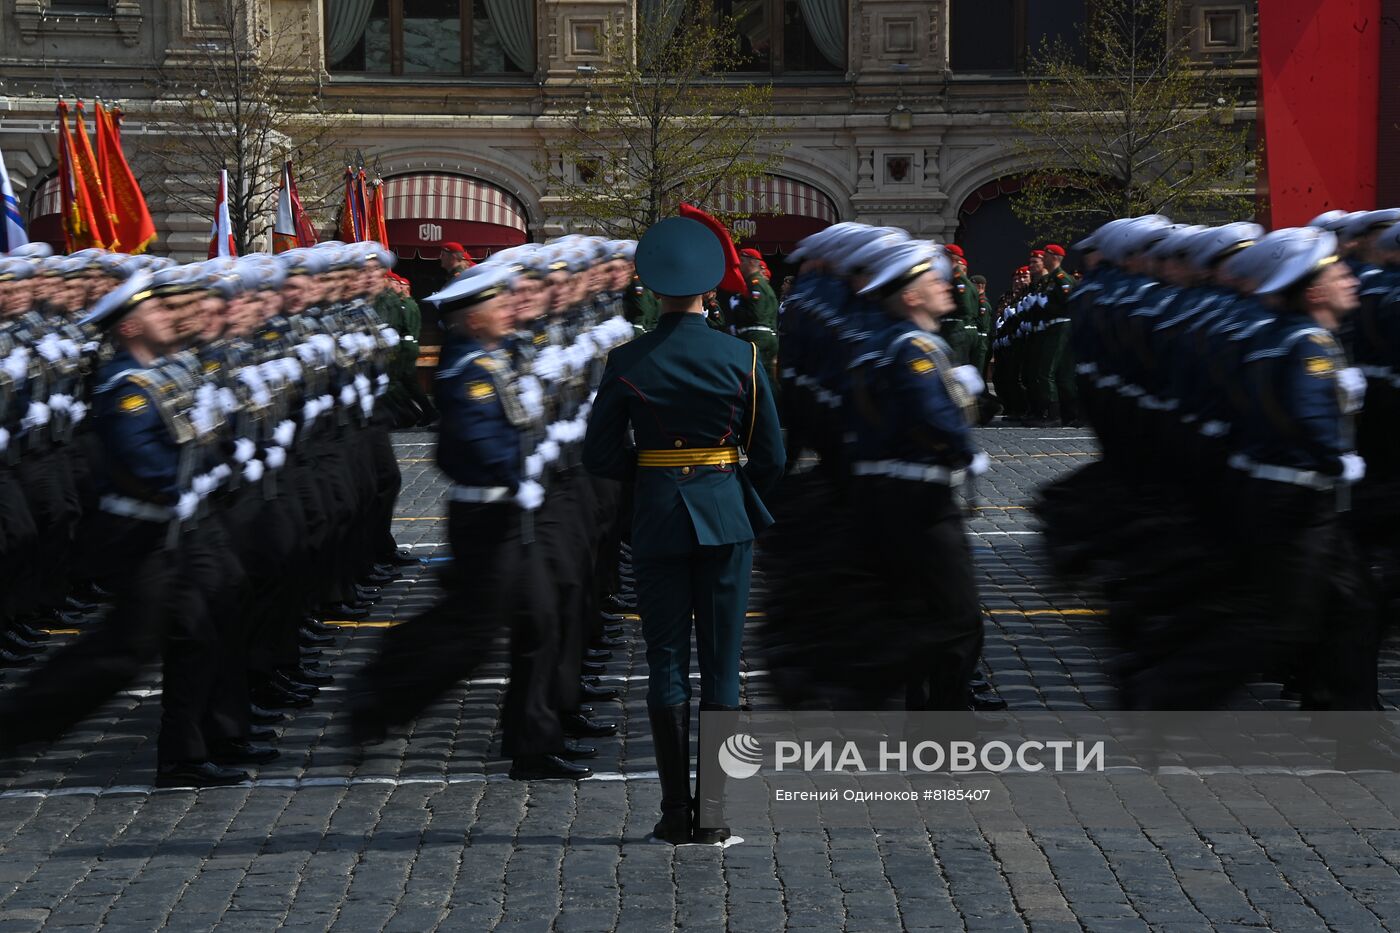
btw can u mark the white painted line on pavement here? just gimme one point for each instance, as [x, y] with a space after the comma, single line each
[44, 793]
[1085, 438]
[985, 534]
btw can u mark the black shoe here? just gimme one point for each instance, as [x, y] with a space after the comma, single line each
[393, 571]
[377, 579]
[576, 751]
[74, 604]
[198, 774]
[608, 642]
[243, 753]
[597, 654]
[293, 684]
[28, 631]
[316, 626]
[277, 698]
[261, 734]
[985, 702]
[261, 716]
[593, 668]
[616, 630]
[315, 678]
[711, 836]
[979, 685]
[612, 619]
[309, 639]
[15, 641]
[308, 655]
[670, 733]
[579, 726]
[347, 612]
[367, 594]
[403, 557]
[10, 658]
[594, 692]
[547, 767]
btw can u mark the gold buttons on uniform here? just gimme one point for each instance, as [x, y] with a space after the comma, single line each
[685, 471]
[680, 443]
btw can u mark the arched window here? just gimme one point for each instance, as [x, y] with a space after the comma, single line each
[430, 37]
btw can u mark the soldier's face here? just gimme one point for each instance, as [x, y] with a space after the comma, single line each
[750, 266]
[299, 292]
[491, 321]
[1037, 266]
[243, 314]
[530, 299]
[155, 323]
[1335, 289]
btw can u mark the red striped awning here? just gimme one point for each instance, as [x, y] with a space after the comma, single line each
[424, 211]
[773, 194]
[48, 199]
[45, 222]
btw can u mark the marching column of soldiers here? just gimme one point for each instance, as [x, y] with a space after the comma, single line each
[1241, 519]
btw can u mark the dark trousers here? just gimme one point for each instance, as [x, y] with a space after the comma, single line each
[1302, 596]
[423, 658]
[919, 549]
[17, 534]
[52, 495]
[711, 586]
[144, 577]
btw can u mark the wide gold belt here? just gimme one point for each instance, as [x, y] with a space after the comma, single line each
[704, 456]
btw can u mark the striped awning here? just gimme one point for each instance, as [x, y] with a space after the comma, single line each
[773, 194]
[451, 197]
[47, 200]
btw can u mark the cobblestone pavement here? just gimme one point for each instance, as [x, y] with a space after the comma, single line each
[425, 832]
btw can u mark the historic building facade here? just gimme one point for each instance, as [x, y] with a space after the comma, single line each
[894, 111]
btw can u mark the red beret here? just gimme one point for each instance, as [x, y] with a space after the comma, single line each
[955, 249]
[1038, 252]
[1023, 269]
[1055, 248]
[451, 247]
[751, 253]
[396, 277]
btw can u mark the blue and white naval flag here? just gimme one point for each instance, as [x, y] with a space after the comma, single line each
[12, 235]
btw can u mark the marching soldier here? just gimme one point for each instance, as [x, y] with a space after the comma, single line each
[753, 313]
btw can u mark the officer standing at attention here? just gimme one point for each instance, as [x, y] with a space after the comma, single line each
[1058, 362]
[959, 328]
[694, 399]
[753, 313]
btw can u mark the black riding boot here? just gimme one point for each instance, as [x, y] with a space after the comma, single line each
[709, 826]
[670, 733]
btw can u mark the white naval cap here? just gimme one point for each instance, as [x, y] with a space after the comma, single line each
[1176, 244]
[34, 250]
[1134, 236]
[1330, 220]
[475, 285]
[864, 255]
[1218, 242]
[1362, 223]
[813, 246]
[110, 307]
[907, 262]
[1292, 255]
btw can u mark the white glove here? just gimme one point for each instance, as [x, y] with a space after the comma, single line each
[243, 450]
[980, 464]
[4, 439]
[284, 432]
[77, 412]
[1353, 468]
[185, 508]
[1353, 383]
[530, 495]
[253, 471]
[534, 465]
[347, 396]
[970, 378]
[275, 458]
[36, 416]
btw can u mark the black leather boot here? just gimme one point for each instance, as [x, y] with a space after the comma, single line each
[670, 732]
[709, 828]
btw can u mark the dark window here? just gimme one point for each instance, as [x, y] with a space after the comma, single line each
[75, 7]
[774, 36]
[423, 37]
[1007, 36]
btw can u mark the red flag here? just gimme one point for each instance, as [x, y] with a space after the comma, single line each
[733, 280]
[79, 221]
[354, 214]
[221, 234]
[104, 220]
[292, 227]
[378, 229]
[135, 229]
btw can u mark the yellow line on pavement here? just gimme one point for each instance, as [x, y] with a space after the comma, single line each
[368, 623]
[1046, 612]
[60, 631]
[422, 518]
[1001, 508]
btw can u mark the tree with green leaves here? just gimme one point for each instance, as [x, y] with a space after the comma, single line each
[1130, 124]
[659, 125]
[241, 100]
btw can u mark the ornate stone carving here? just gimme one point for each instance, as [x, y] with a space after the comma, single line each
[32, 18]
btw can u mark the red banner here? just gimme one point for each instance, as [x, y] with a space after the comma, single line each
[1319, 78]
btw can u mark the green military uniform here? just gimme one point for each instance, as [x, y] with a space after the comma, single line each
[1034, 365]
[404, 396]
[639, 307]
[986, 332]
[959, 329]
[1057, 362]
[754, 315]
